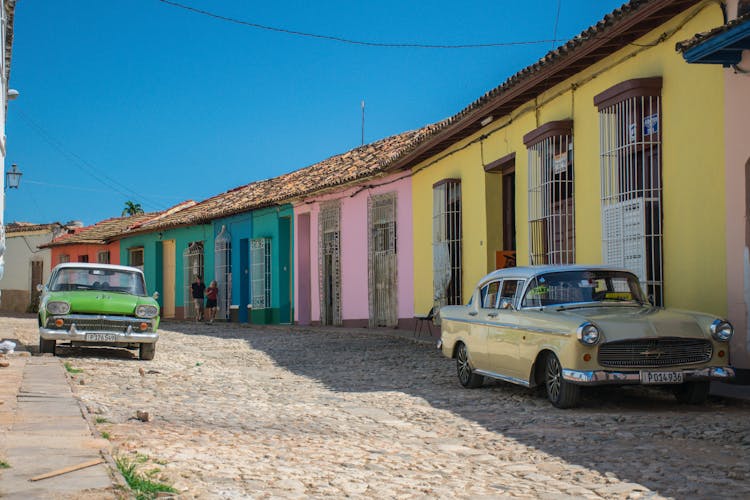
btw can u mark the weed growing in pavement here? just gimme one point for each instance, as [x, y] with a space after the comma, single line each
[4, 464]
[143, 487]
[101, 420]
[105, 435]
[70, 368]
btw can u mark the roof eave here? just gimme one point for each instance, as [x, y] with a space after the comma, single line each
[523, 87]
[725, 48]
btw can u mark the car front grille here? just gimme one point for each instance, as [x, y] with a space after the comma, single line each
[649, 353]
[100, 324]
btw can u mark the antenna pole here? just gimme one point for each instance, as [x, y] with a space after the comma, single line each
[363, 122]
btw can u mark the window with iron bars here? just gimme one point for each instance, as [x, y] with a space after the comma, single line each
[102, 257]
[551, 193]
[446, 241]
[631, 180]
[260, 273]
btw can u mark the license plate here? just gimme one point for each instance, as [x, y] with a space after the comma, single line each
[101, 337]
[661, 378]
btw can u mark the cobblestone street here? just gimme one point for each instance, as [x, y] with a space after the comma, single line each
[237, 412]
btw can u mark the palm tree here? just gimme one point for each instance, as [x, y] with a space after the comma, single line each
[132, 208]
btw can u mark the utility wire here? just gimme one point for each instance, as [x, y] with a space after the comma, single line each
[557, 20]
[398, 45]
[84, 165]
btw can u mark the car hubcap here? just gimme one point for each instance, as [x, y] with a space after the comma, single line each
[553, 377]
[463, 364]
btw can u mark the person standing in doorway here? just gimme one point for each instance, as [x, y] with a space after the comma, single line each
[212, 298]
[198, 291]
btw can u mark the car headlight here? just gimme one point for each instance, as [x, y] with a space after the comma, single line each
[588, 334]
[722, 330]
[146, 311]
[58, 307]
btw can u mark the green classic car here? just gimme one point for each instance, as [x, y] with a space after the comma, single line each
[98, 305]
[567, 327]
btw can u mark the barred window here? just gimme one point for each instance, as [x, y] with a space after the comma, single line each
[551, 194]
[64, 258]
[446, 241]
[631, 180]
[260, 272]
[102, 257]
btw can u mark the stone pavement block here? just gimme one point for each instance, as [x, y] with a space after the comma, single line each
[47, 432]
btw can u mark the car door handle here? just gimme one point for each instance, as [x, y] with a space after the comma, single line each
[472, 313]
[492, 315]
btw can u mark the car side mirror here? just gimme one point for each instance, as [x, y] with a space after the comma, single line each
[40, 287]
[506, 303]
[156, 295]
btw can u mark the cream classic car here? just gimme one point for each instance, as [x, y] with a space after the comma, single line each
[566, 327]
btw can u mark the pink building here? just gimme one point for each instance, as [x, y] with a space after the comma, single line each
[353, 256]
[729, 45]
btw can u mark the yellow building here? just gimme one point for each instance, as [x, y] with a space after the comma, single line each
[609, 149]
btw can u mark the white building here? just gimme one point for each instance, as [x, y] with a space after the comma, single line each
[6, 39]
[26, 265]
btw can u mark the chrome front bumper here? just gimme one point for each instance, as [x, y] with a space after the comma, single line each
[128, 333]
[603, 377]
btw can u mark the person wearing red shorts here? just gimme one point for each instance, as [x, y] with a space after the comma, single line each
[212, 298]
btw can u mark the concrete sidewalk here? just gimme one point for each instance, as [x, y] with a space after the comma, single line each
[43, 430]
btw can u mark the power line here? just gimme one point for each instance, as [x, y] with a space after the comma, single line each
[397, 45]
[84, 165]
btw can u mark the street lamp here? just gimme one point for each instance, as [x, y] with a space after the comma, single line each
[12, 177]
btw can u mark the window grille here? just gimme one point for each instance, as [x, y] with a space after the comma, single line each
[83, 258]
[446, 242]
[330, 263]
[135, 258]
[192, 260]
[260, 273]
[631, 181]
[382, 260]
[223, 271]
[102, 257]
[551, 194]
[64, 258]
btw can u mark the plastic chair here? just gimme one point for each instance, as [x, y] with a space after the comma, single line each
[421, 320]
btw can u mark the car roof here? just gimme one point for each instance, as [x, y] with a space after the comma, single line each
[91, 265]
[526, 272]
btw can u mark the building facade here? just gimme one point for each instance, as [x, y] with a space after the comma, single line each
[353, 255]
[597, 153]
[727, 46]
[27, 264]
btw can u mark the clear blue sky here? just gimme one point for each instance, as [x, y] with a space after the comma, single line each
[139, 100]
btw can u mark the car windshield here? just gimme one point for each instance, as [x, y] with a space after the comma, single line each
[111, 280]
[583, 287]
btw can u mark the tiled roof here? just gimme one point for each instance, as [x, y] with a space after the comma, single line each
[28, 227]
[707, 35]
[618, 29]
[98, 233]
[338, 170]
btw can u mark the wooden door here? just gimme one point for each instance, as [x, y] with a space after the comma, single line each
[168, 278]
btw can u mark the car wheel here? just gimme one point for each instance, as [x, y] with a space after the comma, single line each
[47, 346]
[466, 375]
[692, 393]
[560, 392]
[147, 351]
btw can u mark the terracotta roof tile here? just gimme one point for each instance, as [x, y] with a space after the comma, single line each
[707, 35]
[97, 234]
[27, 227]
[337, 170]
